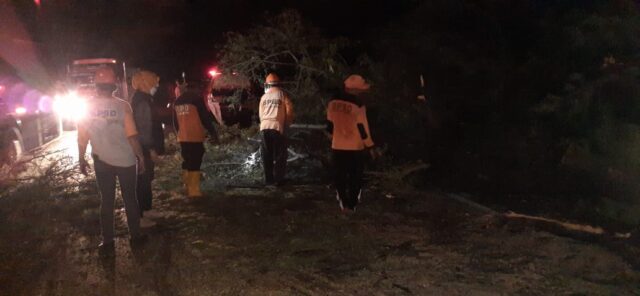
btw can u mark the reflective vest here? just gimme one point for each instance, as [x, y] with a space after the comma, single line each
[276, 110]
[350, 125]
[192, 118]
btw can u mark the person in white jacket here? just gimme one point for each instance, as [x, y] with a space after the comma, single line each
[276, 115]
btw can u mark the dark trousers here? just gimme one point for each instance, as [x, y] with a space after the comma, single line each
[274, 151]
[348, 172]
[106, 176]
[192, 153]
[143, 188]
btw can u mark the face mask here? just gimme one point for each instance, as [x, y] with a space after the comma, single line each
[153, 90]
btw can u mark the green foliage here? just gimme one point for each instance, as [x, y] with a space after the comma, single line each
[306, 61]
[597, 123]
[521, 88]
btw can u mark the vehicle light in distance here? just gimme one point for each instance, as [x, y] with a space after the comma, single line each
[21, 110]
[214, 72]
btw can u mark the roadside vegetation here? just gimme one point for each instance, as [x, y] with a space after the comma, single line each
[529, 106]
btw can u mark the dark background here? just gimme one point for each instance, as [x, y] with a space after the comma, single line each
[174, 36]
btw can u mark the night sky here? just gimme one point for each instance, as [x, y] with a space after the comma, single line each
[171, 36]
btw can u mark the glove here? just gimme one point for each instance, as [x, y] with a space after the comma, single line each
[155, 157]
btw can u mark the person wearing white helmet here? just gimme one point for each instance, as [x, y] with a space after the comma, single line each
[347, 122]
[117, 155]
[276, 115]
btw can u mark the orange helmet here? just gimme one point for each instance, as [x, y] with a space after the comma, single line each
[356, 83]
[272, 79]
[104, 75]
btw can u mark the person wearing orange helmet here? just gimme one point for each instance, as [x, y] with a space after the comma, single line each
[110, 129]
[276, 115]
[347, 122]
[150, 135]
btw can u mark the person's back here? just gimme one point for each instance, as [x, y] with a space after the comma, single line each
[350, 126]
[347, 121]
[275, 110]
[106, 128]
[191, 119]
[188, 110]
[276, 114]
[110, 129]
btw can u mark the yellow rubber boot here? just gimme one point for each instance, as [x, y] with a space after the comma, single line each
[185, 181]
[194, 184]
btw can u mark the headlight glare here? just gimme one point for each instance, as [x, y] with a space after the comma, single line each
[70, 106]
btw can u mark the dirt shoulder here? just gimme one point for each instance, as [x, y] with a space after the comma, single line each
[293, 241]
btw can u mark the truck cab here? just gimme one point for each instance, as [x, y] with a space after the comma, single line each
[79, 86]
[81, 74]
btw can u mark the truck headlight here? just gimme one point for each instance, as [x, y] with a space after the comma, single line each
[70, 106]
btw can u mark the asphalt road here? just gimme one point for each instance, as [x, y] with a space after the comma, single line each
[61, 153]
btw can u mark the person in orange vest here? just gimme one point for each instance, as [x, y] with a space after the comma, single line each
[276, 115]
[191, 119]
[348, 125]
[117, 155]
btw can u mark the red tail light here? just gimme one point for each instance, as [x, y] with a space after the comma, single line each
[214, 72]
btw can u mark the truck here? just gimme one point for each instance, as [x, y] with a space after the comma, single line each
[31, 118]
[81, 73]
[79, 86]
[231, 98]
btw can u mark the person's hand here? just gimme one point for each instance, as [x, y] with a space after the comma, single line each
[141, 167]
[374, 153]
[83, 165]
[155, 157]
